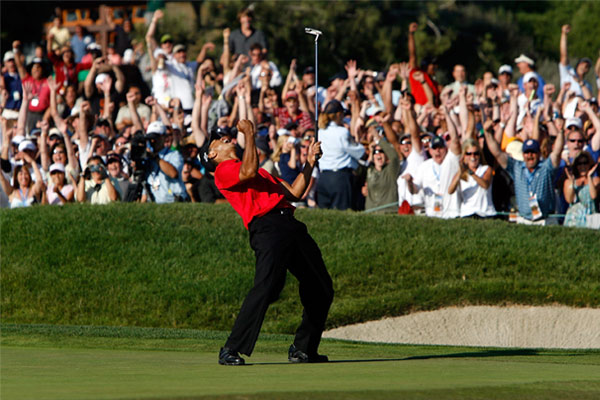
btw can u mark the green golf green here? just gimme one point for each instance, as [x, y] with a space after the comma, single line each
[123, 363]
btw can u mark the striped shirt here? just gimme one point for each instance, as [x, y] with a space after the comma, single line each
[539, 183]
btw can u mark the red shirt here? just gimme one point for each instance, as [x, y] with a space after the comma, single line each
[417, 89]
[303, 119]
[40, 94]
[252, 198]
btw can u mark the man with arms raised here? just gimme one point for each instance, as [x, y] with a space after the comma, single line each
[280, 243]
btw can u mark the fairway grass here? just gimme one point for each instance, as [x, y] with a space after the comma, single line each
[46, 362]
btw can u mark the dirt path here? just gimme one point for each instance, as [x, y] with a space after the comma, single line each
[515, 326]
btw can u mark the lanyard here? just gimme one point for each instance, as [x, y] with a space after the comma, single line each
[530, 176]
[24, 199]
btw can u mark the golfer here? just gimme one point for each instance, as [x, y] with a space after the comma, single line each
[280, 243]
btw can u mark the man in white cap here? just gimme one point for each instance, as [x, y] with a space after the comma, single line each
[163, 182]
[526, 64]
[12, 84]
[99, 73]
[574, 76]
[529, 96]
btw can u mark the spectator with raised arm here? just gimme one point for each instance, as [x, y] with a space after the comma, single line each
[532, 177]
[59, 191]
[426, 79]
[576, 75]
[581, 189]
[24, 191]
[101, 70]
[12, 85]
[95, 185]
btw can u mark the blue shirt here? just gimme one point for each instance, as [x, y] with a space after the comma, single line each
[539, 183]
[338, 150]
[14, 89]
[288, 174]
[78, 45]
[163, 188]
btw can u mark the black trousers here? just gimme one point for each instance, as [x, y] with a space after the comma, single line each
[334, 189]
[282, 243]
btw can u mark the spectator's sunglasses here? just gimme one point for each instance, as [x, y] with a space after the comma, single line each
[407, 141]
[577, 140]
[472, 153]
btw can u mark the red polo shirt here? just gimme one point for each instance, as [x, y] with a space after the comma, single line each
[417, 88]
[252, 198]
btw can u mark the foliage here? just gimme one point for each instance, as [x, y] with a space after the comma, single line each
[189, 266]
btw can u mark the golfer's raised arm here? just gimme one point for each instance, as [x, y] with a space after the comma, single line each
[295, 191]
[249, 167]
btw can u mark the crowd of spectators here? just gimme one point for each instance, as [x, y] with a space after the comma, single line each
[82, 123]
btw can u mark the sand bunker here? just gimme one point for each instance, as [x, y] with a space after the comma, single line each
[514, 326]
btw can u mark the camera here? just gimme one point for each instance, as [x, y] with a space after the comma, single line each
[95, 168]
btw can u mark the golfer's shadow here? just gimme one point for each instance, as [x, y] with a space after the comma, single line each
[471, 354]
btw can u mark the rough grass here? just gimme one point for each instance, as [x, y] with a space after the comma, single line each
[190, 266]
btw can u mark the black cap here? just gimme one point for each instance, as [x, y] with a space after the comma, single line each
[340, 75]
[333, 107]
[291, 125]
[263, 144]
[437, 142]
[309, 70]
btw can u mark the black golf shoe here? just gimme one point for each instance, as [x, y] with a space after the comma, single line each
[298, 356]
[230, 357]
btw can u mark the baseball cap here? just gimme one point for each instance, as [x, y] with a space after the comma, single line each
[156, 128]
[166, 38]
[333, 107]
[27, 145]
[54, 132]
[56, 167]
[9, 55]
[529, 76]
[584, 60]
[505, 69]
[179, 47]
[36, 60]
[159, 52]
[373, 110]
[404, 138]
[291, 94]
[93, 46]
[371, 122]
[17, 139]
[531, 145]
[525, 59]
[35, 132]
[437, 142]
[283, 131]
[309, 70]
[574, 121]
[515, 149]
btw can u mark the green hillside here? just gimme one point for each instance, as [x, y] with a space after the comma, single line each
[190, 266]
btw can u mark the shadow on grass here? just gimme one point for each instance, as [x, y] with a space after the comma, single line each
[472, 354]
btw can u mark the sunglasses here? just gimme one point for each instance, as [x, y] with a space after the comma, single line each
[576, 140]
[425, 140]
[377, 151]
[405, 141]
[530, 152]
[473, 153]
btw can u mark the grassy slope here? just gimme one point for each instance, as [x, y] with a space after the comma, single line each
[189, 266]
[120, 363]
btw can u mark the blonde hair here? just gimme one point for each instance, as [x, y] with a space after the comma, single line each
[281, 140]
[325, 119]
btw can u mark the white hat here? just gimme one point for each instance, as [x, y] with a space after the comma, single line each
[495, 81]
[525, 59]
[57, 167]
[373, 110]
[159, 52]
[505, 69]
[283, 131]
[515, 150]
[9, 55]
[529, 76]
[27, 145]
[574, 121]
[75, 111]
[156, 127]
[36, 60]
[16, 140]
[54, 131]
[100, 78]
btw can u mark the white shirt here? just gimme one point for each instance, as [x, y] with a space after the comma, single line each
[182, 83]
[434, 179]
[255, 75]
[474, 198]
[568, 74]
[338, 150]
[411, 167]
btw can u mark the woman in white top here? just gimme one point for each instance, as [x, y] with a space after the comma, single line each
[59, 191]
[474, 181]
[24, 192]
